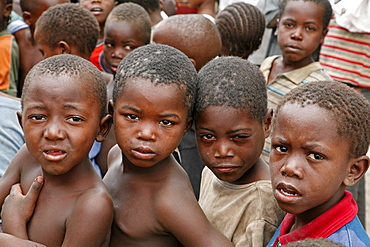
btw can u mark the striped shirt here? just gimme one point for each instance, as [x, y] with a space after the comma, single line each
[346, 56]
[283, 83]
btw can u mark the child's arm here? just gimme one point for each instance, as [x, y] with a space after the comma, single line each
[12, 174]
[182, 216]
[18, 209]
[7, 240]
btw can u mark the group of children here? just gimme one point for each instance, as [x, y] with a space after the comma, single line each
[160, 93]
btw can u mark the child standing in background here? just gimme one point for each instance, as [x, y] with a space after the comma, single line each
[301, 28]
[152, 106]
[320, 137]
[232, 122]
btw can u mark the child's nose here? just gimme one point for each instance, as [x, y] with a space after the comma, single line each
[146, 133]
[54, 132]
[223, 150]
[119, 53]
[297, 34]
[292, 168]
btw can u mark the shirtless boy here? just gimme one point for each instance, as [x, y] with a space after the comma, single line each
[63, 112]
[152, 105]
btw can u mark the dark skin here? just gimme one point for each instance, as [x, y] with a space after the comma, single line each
[154, 201]
[308, 155]
[300, 31]
[230, 143]
[60, 128]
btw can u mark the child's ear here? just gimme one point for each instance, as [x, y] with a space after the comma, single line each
[111, 107]
[357, 170]
[19, 116]
[188, 124]
[63, 48]
[193, 62]
[324, 33]
[27, 17]
[267, 121]
[105, 125]
[7, 10]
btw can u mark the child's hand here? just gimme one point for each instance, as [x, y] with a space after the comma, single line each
[18, 209]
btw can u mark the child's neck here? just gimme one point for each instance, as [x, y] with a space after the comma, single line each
[259, 171]
[286, 65]
[160, 169]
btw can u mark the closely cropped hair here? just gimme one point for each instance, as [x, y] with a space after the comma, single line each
[325, 4]
[148, 5]
[232, 81]
[161, 64]
[133, 13]
[72, 66]
[194, 35]
[71, 23]
[349, 109]
[241, 27]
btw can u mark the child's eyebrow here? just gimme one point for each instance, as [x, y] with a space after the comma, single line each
[170, 115]
[315, 146]
[130, 108]
[238, 129]
[205, 128]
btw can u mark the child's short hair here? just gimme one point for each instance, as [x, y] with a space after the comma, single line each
[72, 66]
[133, 13]
[349, 109]
[160, 64]
[232, 81]
[241, 27]
[151, 5]
[71, 23]
[328, 12]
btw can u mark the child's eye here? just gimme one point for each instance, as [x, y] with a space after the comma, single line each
[167, 122]
[281, 149]
[74, 119]
[132, 117]
[128, 48]
[239, 138]
[208, 137]
[288, 25]
[108, 44]
[310, 28]
[316, 156]
[37, 117]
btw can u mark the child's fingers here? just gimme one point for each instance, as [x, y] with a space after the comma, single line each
[34, 191]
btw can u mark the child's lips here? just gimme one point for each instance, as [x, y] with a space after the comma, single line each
[226, 169]
[96, 10]
[287, 192]
[143, 153]
[54, 154]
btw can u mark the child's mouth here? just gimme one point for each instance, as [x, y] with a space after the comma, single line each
[54, 155]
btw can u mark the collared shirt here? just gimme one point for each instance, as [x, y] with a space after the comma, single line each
[284, 83]
[339, 224]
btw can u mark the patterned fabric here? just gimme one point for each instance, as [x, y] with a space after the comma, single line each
[246, 214]
[284, 83]
[339, 224]
[345, 56]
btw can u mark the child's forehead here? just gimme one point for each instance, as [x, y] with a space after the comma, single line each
[296, 6]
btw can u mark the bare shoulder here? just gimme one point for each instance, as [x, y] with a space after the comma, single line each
[180, 214]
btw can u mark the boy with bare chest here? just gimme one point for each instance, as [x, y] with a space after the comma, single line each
[63, 112]
[152, 105]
